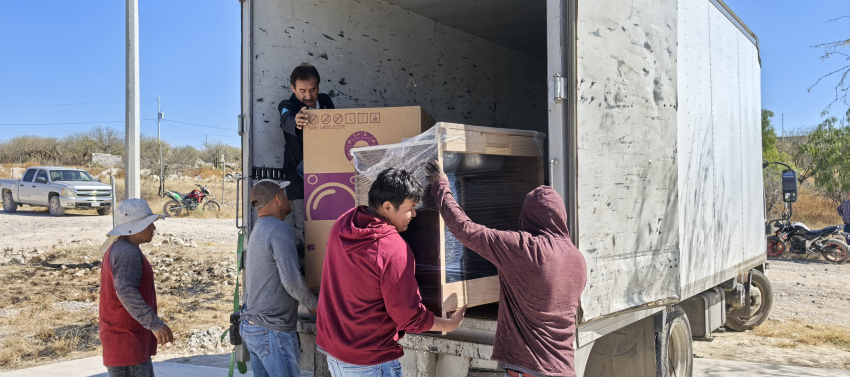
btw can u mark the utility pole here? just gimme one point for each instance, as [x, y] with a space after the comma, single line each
[132, 187]
[159, 117]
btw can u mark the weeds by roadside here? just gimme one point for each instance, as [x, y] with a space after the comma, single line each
[793, 332]
[48, 308]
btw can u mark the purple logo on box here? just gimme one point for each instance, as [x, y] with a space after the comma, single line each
[359, 139]
[328, 195]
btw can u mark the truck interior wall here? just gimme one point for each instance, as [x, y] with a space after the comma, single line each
[373, 54]
[721, 202]
[627, 139]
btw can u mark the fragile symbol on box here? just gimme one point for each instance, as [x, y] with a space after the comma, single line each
[338, 118]
[350, 118]
[362, 118]
[314, 119]
[326, 119]
[375, 118]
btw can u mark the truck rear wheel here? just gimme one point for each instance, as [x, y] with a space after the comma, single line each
[9, 205]
[761, 301]
[55, 206]
[674, 349]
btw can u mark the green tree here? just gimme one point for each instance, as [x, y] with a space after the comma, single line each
[773, 173]
[828, 147]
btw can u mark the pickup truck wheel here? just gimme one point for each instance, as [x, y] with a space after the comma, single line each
[104, 211]
[674, 348]
[9, 205]
[55, 207]
[761, 301]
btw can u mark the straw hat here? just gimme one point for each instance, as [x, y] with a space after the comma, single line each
[133, 216]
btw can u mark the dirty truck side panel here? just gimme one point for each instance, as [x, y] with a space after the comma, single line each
[373, 54]
[721, 202]
[626, 136]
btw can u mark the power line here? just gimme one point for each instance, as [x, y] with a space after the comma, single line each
[199, 125]
[74, 104]
[54, 124]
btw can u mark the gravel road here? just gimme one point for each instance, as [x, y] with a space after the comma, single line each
[28, 229]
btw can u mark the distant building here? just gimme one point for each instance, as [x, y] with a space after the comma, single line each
[107, 160]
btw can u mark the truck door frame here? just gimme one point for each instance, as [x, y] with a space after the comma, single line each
[561, 62]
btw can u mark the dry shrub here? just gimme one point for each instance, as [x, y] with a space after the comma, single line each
[41, 332]
[794, 331]
[205, 173]
[815, 211]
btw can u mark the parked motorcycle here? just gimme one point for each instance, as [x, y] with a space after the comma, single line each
[189, 202]
[797, 238]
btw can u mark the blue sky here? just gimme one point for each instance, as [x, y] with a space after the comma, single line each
[67, 52]
[61, 52]
[789, 66]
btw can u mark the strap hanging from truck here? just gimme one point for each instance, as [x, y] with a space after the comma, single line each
[240, 365]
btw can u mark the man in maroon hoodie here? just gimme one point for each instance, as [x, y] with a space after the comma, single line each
[369, 296]
[541, 276]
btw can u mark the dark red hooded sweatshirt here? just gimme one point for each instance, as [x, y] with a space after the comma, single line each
[541, 277]
[369, 296]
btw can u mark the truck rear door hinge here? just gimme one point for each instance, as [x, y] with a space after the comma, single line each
[560, 88]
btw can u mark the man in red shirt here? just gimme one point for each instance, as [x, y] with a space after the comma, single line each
[129, 326]
[535, 332]
[369, 297]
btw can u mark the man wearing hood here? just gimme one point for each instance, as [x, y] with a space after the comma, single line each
[304, 82]
[369, 296]
[535, 332]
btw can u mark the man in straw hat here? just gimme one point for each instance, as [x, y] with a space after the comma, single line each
[273, 286]
[129, 326]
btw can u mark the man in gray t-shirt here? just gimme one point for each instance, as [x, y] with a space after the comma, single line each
[273, 286]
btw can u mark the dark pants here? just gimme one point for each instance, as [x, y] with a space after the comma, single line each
[139, 370]
[847, 230]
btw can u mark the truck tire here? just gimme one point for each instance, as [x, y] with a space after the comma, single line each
[9, 205]
[55, 206]
[761, 301]
[674, 349]
[104, 211]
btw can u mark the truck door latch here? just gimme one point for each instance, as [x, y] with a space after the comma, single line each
[560, 88]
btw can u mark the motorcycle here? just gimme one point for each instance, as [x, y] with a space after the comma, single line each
[189, 202]
[797, 238]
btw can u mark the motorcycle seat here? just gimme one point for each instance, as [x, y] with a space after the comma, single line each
[818, 232]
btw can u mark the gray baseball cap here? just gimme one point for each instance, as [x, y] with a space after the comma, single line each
[264, 192]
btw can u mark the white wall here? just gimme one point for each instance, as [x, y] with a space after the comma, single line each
[372, 54]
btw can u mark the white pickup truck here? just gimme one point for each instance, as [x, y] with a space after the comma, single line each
[57, 189]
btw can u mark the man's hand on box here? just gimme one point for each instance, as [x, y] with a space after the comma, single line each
[301, 119]
[435, 171]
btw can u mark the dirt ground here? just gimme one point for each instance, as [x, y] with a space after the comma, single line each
[51, 279]
[49, 313]
[808, 325]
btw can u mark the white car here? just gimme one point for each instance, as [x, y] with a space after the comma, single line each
[57, 189]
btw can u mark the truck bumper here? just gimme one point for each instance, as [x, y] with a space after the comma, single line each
[84, 203]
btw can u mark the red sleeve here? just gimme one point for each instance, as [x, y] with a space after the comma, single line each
[494, 245]
[399, 288]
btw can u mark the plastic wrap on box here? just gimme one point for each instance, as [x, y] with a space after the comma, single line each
[489, 188]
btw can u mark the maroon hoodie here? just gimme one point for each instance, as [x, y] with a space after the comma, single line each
[541, 276]
[369, 296]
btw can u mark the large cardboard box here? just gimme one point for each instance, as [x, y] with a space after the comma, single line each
[329, 172]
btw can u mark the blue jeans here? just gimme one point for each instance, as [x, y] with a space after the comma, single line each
[343, 369]
[273, 353]
[139, 370]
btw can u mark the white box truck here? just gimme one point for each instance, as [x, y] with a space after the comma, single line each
[651, 110]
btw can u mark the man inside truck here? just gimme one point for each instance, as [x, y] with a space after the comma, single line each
[304, 82]
[541, 277]
[369, 296]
